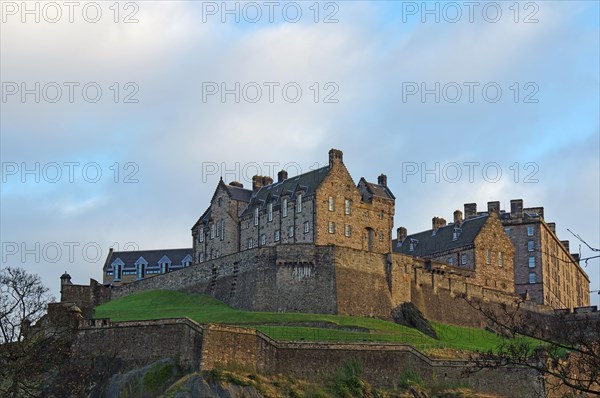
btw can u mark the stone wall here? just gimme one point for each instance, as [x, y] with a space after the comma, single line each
[139, 343]
[205, 347]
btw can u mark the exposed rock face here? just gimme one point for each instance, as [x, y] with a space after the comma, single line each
[409, 315]
[148, 382]
[195, 385]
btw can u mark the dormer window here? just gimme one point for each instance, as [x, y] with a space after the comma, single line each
[187, 261]
[164, 263]
[413, 243]
[456, 233]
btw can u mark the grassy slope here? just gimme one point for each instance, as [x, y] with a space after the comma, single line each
[159, 304]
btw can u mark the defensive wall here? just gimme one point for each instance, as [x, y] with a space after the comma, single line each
[203, 347]
[322, 279]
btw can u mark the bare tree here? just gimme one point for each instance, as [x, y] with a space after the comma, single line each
[564, 347]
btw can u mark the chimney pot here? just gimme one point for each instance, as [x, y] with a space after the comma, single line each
[282, 176]
[382, 180]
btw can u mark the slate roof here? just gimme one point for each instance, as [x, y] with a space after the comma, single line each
[379, 190]
[306, 183]
[238, 193]
[429, 244]
[129, 258]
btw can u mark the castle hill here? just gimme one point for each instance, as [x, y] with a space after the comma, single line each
[300, 286]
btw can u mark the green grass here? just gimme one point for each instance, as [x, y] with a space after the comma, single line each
[160, 304]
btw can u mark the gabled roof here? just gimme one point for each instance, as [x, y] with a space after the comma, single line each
[427, 244]
[129, 258]
[377, 190]
[306, 183]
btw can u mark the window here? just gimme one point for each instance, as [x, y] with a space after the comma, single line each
[284, 206]
[380, 236]
[530, 230]
[331, 227]
[219, 202]
[263, 239]
[507, 231]
[488, 256]
[256, 216]
[463, 259]
[270, 212]
[201, 235]
[222, 229]
[218, 232]
[306, 227]
[411, 246]
[347, 206]
[532, 277]
[531, 262]
[299, 203]
[348, 230]
[250, 243]
[212, 231]
[450, 260]
[500, 259]
[530, 245]
[381, 215]
[291, 232]
[331, 203]
[277, 235]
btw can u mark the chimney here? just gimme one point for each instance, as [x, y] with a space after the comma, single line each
[458, 217]
[402, 233]
[267, 181]
[575, 256]
[236, 184]
[335, 156]
[470, 210]
[565, 243]
[257, 183]
[382, 180]
[494, 207]
[282, 176]
[516, 208]
[65, 279]
[437, 222]
[552, 226]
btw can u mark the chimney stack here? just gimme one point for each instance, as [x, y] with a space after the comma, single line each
[494, 207]
[335, 156]
[260, 181]
[565, 244]
[552, 226]
[516, 208]
[458, 217]
[282, 176]
[236, 184]
[470, 210]
[437, 222]
[402, 233]
[382, 180]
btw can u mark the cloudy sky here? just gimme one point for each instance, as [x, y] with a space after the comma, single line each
[117, 121]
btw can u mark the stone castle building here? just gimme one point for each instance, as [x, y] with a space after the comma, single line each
[545, 271]
[478, 245]
[322, 207]
[302, 243]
